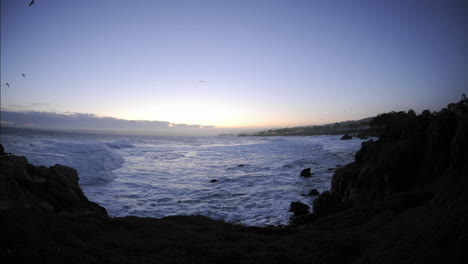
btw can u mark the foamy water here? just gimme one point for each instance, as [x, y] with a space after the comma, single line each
[257, 177]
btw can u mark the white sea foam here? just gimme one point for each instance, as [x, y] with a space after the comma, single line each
[257, 177]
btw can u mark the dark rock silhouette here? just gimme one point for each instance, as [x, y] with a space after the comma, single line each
[411, 153]
[306, 173]
[53, 189]
[299, 208]
[313, 192]
[214, 180]
[328, 203]
[346, 137]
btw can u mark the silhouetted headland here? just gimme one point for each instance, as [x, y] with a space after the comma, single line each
[403, 200]
[357, 127]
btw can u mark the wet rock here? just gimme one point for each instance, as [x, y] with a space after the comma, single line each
[313, 192]
[214, 180]
[306, 173]
[299, 208]
[346, 137]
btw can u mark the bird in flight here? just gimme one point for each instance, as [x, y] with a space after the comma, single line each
[32, 3]
[133, 121]
[7, 84]
[201, 81]
[24, 75]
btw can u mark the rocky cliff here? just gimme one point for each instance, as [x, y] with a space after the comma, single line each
[412, 152]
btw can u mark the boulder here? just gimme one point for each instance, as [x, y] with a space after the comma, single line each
[313, 192]
[299, 208]
[346, 137]
[306, 173]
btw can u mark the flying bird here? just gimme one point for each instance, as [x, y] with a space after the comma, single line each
[24, 75]
[201, 81]
[32, 3]
[7, 84]
[133, 121]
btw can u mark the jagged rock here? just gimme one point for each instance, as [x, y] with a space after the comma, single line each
[412, 152]
[346, 137]
[213, 180]
[55, 189]
[299, 208]
[306, 173]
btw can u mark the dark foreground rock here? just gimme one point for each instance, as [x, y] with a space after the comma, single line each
[413, 152]
[403, 200]
[53, 189]
[299, 208]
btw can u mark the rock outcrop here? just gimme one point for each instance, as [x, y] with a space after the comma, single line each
[412, 152]
[53, 189]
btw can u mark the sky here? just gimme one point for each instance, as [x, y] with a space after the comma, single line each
[242, 64]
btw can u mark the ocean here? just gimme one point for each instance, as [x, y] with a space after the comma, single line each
[158, 176]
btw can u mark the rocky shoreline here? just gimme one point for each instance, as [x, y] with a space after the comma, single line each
[403, 200]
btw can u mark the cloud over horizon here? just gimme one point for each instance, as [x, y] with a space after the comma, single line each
[91, 122]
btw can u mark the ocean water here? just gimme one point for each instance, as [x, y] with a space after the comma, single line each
[154, 176]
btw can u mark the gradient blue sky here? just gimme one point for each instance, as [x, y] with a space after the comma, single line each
[263, 63]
